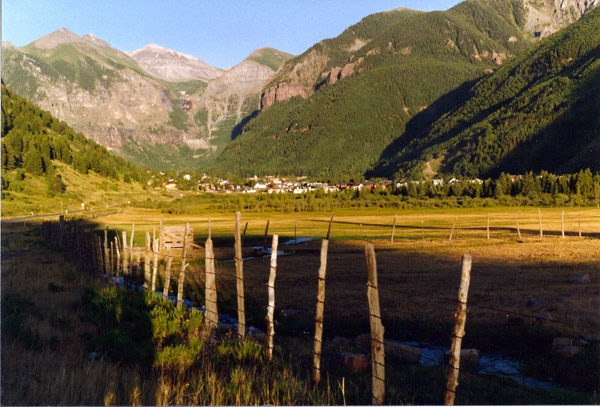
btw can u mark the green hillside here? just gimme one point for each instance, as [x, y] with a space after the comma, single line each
[270, 57]
[343, 129]
[539, 112]
[44, 161]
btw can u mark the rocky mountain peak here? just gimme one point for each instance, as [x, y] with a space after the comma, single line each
[173, 66]
[56, 38]
[91, 38]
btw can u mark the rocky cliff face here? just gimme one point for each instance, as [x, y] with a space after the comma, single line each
[173, 66]
[545, 17]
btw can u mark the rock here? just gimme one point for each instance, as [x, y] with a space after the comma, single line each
[568, 351]
[561, 342]
[364, 339]
[283, 92]
[544, 316]
[354, 362]
[470, 356]
[583, 278]
[535, 302]
[339, 340]
[405, 353]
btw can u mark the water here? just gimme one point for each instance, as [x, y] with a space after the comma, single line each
[489, 363]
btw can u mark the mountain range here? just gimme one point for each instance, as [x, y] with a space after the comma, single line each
[402, 93]
[154, 106]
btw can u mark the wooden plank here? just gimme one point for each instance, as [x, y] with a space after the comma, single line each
[319, 315]
[377, 330]
[210, 288]
[168, 274]
[459, 332]
[239, 271]
[271, 306]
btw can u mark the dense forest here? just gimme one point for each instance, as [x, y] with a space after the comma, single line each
[32, 139]
[539, 112]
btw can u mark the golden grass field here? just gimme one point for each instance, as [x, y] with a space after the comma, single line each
[418, 280]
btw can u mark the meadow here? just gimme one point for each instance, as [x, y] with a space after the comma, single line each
[520, 299]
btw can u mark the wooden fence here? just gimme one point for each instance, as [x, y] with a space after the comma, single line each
[118, 261]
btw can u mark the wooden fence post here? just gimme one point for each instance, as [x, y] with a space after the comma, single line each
[540, 216]
[459, 332]
[167, 273]
[131, 248]
[377, 330]
[147, 262]
[155, 263]
[271, 306]
[266, 232]
[239, 270]
[183, 266]
[393, 230]
[125, 258]
[107, 270]
[488, 226]
[579, 221]
[210, 288]
[111, 260]
[452, 231]
[118, 259]
[562, 224]
[518, 229]
[319, 316]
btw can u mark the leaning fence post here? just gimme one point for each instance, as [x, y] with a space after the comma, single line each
[167, 274]
[393, 230]
[377, 330]
[266, 232]
[518, 229]
[183, 266]
[155, 263]
[452, 231]
[147, 262]
[271, 306]
[125, 257]
[210, 288]
[319, 316]
[540, 216]
[562, 224]
[459, 332]
[239, 270]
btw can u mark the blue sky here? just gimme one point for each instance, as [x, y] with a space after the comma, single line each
[220, 32]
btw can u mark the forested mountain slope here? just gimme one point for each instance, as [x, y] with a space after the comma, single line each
[342, 129]
[539, 112]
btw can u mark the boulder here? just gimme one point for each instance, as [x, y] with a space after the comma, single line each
[535, 302]
[354, 362]
[364, 339]
[405, 353]
[561, 342]
[583, 278]
[568, 351]
[340, 340]
[470, 356]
